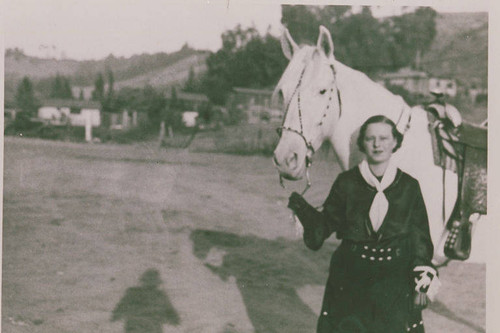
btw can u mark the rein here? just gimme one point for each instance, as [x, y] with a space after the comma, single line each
[300, 132]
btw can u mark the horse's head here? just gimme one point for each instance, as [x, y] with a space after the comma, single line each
[308, 92]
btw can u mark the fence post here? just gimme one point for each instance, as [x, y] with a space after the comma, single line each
[162, 134]
[88, 128]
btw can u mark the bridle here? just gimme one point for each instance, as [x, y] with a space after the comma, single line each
[300, 132]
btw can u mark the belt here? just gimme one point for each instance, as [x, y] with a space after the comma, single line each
[374, 252]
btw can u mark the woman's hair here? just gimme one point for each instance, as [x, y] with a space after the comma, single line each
[383, 120]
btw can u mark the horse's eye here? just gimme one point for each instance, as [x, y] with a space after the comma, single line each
[322, 91]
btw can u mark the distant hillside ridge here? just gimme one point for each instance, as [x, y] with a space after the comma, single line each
[84, 72]
[158, 70]
[460, 49]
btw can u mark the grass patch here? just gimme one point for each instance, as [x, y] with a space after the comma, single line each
[249, 139]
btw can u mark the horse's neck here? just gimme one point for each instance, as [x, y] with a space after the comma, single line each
[361, 99]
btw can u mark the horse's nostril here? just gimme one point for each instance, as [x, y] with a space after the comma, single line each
[275, 160]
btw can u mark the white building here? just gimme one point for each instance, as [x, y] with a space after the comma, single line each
[72, 112]
[413, 81]
[446, 86]
[189, 118]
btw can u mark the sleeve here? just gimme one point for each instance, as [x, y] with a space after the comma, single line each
[421, 241]
[319, 225]
[425, 274]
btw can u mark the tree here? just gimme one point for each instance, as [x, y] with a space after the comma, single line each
[25, 97]
[192, 83]
[303, 21]
[111, 83]
[108, 101]
[154, 104]
[61, 88]
[172, 112]
[362, 41]
[414, 33]
[246, 59]
[98, 93]
[66, 89]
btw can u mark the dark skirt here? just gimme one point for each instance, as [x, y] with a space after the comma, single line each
[370, 290]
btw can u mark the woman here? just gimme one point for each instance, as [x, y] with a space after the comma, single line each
[381, 271]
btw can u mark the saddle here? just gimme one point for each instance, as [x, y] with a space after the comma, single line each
[462, 148]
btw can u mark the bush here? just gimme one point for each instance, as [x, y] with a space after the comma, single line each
[143, 132]
[482, 99]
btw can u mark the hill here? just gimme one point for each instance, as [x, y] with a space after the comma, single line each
[158, 70]
[460, 49]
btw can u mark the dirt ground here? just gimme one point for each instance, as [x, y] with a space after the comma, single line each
[98, 238]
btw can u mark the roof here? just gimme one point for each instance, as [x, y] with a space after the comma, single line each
[187, 96]
[72, 103]
[405, 73]
[442, 78]
[253, 91]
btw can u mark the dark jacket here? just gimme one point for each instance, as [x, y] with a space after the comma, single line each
[345, 211]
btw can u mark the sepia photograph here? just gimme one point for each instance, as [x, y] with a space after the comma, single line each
[245, 166]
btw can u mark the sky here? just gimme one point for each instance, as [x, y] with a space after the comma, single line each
[93, 29]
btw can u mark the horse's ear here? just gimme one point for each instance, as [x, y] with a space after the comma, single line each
[288, 45]
[325, 43]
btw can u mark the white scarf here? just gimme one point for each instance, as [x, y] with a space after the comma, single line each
[380, 205]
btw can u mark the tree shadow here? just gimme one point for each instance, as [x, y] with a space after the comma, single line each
[268, 273]
[146, 308]
[443, 310]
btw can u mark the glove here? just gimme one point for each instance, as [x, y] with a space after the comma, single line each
[426, 285]
[312, 221]
[296, 202]
[423, 277]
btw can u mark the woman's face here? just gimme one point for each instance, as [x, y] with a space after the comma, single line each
[379, 143]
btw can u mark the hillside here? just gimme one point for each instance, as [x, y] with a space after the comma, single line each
[159, 70]
[460, 49]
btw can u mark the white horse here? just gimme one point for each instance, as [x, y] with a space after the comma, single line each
[326, 100]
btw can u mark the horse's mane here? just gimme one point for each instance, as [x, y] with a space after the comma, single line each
[352, 79]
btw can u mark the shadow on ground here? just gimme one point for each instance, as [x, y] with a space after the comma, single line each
[146, 308]
[443, 310]
[267, 273]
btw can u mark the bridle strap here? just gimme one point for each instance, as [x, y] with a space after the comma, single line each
[308, 143]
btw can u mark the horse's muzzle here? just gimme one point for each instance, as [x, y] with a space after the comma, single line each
[289, 167]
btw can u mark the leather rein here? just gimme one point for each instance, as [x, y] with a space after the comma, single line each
[300, 131]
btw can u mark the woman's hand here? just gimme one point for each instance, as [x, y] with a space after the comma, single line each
[312, 221]
[296, 202]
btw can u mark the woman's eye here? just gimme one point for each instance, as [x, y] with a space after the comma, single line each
[322, 91]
